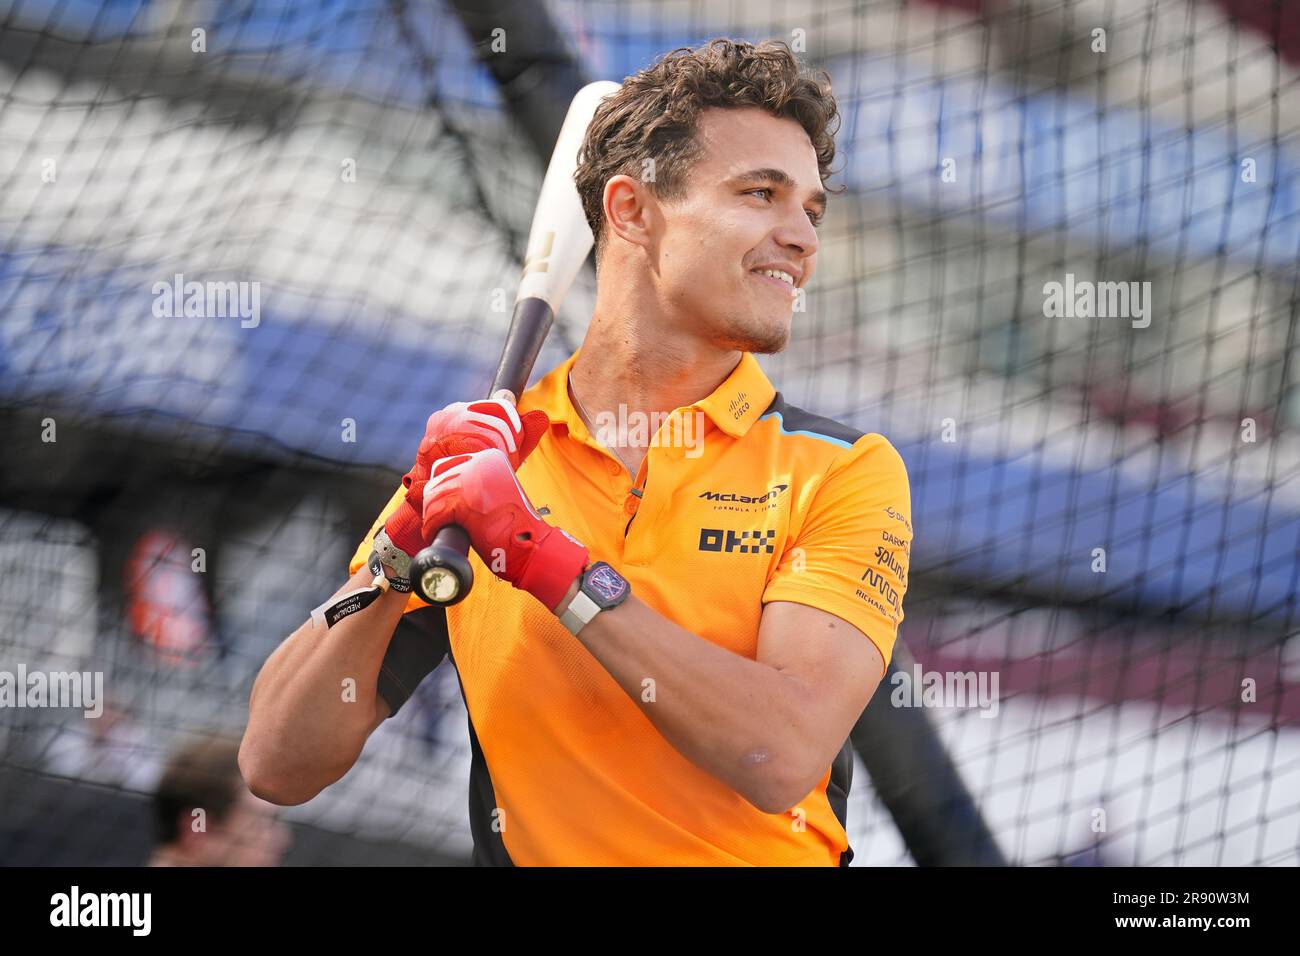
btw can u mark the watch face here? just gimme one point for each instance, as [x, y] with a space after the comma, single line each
[607, 583]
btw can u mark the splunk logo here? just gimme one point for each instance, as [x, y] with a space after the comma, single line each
[102, 909]
[746, 542]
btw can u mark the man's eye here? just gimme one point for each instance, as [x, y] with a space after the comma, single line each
[813, 217]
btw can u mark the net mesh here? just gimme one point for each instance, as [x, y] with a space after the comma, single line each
[1106, 502]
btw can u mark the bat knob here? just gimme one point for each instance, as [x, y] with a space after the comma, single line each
[441, 573]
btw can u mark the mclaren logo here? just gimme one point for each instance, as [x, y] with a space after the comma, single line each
[733, 498]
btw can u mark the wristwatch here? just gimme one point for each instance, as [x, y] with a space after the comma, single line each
[599, 589]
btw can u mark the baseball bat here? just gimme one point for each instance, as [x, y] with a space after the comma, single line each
[558, 242]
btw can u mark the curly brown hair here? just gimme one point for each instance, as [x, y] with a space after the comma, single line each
[655, 115]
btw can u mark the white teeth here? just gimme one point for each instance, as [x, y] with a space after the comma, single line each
[777, 274]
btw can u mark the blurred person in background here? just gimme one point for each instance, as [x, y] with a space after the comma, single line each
[205, 816]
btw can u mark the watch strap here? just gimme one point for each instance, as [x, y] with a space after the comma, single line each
[579, 612]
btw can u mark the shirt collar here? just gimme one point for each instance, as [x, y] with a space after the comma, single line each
[551, 395]
[733, 406]
[741, 398]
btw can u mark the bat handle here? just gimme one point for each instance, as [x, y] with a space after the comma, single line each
[441, 573]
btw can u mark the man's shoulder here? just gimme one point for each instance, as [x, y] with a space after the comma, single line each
[793, 420]
[835, 445]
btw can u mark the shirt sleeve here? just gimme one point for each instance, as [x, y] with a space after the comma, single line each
[420, 641]
[418, 646]
[851, 554]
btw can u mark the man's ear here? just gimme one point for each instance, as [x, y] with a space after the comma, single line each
[630, 209]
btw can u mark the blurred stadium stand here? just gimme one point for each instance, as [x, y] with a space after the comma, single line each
[1120, 690]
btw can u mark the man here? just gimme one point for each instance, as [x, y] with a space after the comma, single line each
[668, 640]
[205, 816]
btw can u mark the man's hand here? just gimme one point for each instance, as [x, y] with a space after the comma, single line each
[480, 493]
[461, 428]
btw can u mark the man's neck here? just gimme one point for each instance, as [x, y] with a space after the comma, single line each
[647, 377]
[619, 365]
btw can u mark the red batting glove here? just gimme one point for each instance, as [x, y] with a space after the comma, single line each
[480, 493]
[462, 428]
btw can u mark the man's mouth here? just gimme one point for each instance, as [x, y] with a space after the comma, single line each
[776, 279]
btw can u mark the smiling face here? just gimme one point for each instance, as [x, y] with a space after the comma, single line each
[748, 211]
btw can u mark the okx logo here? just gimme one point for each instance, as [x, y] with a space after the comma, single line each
[746, 542]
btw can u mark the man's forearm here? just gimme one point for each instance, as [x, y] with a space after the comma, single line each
[744, 722]
[314, 702]
[735, 718]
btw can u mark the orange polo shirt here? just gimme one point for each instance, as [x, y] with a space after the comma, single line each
[741, 500]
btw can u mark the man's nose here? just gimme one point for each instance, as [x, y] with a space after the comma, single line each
[799, 234]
